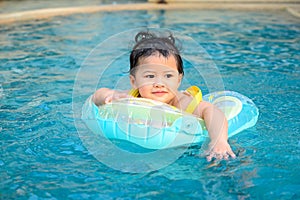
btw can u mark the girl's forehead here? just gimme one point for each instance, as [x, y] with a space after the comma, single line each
[158, 58]
[158, 62]
[156, 68]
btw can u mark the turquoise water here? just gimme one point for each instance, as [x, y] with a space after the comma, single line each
[43, 157]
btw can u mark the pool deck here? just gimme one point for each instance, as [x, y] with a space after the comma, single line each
[293, 7]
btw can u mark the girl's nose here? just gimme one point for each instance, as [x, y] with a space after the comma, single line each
[158, 84]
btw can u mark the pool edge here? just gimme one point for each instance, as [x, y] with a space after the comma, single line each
[8, 18]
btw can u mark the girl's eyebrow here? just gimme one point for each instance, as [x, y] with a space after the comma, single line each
[148, 72]
[168, 71]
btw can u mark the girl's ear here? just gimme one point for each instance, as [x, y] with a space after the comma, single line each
[133, 82]
[179, 79]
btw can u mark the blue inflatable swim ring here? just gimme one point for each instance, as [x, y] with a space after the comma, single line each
[156, 125]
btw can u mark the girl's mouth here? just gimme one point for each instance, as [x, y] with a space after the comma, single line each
[159, 93]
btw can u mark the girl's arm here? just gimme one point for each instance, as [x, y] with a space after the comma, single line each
[217, 127]
[106, 95]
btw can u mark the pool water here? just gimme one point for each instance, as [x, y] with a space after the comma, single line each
[43, 157]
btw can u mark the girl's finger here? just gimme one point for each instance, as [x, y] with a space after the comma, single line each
[230, 152]
[108, 99]
[209, 157]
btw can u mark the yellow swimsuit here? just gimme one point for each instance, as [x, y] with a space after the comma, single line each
[193, 90]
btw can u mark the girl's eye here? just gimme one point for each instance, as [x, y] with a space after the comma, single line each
[169, 75]
[149, 76]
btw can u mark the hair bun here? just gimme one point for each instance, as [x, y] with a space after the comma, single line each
[143, 36]
[171, 38]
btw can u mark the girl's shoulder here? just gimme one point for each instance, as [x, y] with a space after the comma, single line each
[183, 98]
[191, 101]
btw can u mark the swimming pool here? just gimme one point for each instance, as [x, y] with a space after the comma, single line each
[42, 155]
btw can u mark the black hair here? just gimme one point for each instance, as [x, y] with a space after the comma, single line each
[148, 43]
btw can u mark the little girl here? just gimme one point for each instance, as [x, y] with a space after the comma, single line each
[156, 71]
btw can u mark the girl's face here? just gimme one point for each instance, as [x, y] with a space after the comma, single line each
[157, 78]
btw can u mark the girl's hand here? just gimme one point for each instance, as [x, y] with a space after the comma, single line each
[114, 96]
[219, 150]
[106, 95]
